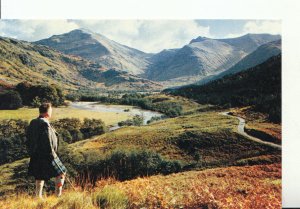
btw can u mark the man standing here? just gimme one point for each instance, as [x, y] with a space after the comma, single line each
[42, 144]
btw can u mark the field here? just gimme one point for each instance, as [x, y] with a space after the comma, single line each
[109, 118]
[232, 187]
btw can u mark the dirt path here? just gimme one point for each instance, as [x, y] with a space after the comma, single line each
[241, 130]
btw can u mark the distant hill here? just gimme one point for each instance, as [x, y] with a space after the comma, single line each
[38, 64]
[203, 57]
[260, 55]
[259, 86]
[98, 48]
[120, 80]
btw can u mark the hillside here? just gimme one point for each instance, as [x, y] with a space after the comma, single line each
[21, 61]
[261, 54]
[186, 146]
[121, 80]
[209, 135]
[259, 87]
[203, 57]
[100, 49]
[37, 64]
[233, 187]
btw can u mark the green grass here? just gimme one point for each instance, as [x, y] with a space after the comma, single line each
[10, 175]
[212, 135]
[188, 106]
[109, 118]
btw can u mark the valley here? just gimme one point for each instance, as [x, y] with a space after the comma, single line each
[192, 127]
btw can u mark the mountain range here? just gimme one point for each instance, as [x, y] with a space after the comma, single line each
[95, 60]
[39, 64]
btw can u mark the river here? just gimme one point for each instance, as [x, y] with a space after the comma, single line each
[95, 106]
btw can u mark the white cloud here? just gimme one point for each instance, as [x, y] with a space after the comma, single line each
[146, 35]
[32, 30]
[268, 26]
[259, 26]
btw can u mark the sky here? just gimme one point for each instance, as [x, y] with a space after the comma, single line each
[147, 35]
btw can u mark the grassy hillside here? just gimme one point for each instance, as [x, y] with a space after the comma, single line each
[22, 60]
[194, 143]
[37, 64]
[259, 87]
[233, 187]
[199, 141]
[210, 134]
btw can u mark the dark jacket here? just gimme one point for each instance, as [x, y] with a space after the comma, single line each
[42, 144]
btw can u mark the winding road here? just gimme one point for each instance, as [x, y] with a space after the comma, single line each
[241, 130]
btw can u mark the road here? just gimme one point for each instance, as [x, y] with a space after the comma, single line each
[241, 130]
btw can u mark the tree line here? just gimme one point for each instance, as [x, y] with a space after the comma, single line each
[25, 94]
[169, 108]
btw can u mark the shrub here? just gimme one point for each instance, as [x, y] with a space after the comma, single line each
[92, 127]
[10, 100]
[154, 118]
[125, 165]
[36, 102]
[12, 140]
[45, 93]
[72, 129]
[137, 120]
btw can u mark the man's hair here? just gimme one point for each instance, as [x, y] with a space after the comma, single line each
[44, 107]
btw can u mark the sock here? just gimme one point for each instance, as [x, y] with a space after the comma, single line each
[59, 182]
[39, 184]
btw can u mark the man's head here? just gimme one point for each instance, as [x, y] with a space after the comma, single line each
[45, 109]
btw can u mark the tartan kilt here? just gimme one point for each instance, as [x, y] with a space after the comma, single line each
[58, 166]
[43, 168]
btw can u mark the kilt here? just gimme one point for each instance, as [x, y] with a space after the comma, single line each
[58, 166]
[43, 168]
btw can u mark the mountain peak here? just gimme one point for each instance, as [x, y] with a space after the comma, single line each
[84, 31]
[199, 39]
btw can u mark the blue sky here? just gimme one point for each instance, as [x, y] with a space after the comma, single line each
[145, 35]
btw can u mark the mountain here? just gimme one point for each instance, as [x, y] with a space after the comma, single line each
[24, 61]
[195, 59]
[249, 42]
[260, 55]
[120, 80]
[98, 48]
[259, 86]
[203, 57]
[38, 64]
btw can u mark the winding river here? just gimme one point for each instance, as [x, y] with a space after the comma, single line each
[95, 106]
